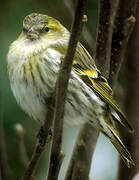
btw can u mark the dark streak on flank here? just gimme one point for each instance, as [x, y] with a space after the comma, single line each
[25, 79]
[32, 75]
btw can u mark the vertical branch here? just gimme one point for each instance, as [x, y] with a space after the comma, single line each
[124, 24]
[132, 101]
[81, 158]
[4, 169]
[82, 154]
[61, 89]
[42, 139]
[107, 11]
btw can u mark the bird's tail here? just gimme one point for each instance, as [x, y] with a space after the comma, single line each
[116, 141]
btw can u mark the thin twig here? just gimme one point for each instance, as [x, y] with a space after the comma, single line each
[124, 24]
[107, 13]
[42, 139]
[87, 36]
[80, 162]
[61, 89]
[4, 169]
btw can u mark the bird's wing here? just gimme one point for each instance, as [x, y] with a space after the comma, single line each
[100, 86]
[116, 141]
[84, 66]
[93, 79]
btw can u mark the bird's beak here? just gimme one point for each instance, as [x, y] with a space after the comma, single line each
[32, 34]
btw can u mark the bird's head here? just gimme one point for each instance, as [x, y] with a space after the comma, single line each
[37, 26]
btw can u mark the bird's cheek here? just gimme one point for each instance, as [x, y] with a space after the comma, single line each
[33, 35]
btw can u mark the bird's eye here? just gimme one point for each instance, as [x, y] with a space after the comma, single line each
[46, 29]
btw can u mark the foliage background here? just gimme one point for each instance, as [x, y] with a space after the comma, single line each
[12, 13]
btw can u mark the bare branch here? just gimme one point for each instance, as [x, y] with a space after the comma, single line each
[124, 24]
[4, 169]
[107, 13]
[82, 155]
[81, 158]
[42, 139]
[61, 89]
[132, 102]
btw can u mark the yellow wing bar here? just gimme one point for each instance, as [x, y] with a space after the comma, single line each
[100, 86]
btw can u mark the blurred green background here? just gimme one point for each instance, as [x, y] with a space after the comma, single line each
[12, 14]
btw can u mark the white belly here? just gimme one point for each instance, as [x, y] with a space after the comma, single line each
[31, 92]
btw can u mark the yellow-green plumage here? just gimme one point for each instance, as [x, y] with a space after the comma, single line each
[33, 64]
[104, 91]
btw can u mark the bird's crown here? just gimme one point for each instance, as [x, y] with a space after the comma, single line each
[40, 21]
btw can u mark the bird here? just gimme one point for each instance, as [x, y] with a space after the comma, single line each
[33, 63]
